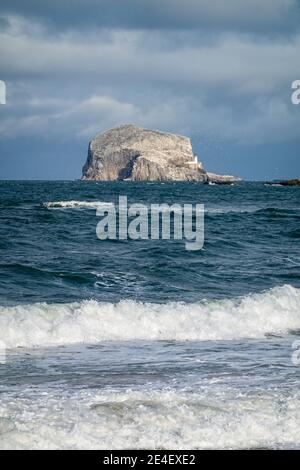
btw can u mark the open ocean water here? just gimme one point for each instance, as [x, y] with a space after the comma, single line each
[142, 344]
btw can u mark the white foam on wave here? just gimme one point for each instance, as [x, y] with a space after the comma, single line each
[207, 419]
[76, 204]
[244, 210]
[96, 205]
[275, 311]
[232, 210]
[215, 210]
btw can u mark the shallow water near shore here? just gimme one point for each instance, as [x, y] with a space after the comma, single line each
[143, 344]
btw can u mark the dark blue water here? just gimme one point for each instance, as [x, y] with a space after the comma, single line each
[143, 344]
[252, 238]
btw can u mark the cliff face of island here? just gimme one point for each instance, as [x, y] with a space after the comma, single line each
[131, 153]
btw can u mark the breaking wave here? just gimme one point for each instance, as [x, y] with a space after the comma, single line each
[272, 312]
[76, 204]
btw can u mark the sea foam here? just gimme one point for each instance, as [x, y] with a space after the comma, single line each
[272, 312]
[76, 204]
[206, 419]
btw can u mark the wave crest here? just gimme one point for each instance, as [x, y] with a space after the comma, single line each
[76, 204]
[89, 321]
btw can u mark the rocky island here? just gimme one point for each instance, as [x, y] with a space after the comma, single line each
[132, 153]
[292, 182]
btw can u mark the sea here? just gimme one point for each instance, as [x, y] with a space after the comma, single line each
[142, 344]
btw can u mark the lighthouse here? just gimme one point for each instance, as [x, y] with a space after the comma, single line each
[194, 164]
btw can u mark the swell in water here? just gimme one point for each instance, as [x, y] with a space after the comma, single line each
[272, 312]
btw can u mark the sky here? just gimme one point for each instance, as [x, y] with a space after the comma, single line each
[218, 71]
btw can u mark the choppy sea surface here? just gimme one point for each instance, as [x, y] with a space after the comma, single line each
[143, 344]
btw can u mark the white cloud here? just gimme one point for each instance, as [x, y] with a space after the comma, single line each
[269, 121]
[81, 119]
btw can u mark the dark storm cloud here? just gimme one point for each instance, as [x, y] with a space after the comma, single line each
[249, 15]
[234, 87]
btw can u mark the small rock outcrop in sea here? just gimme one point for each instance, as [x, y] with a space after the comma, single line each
[293, 182]
[131, 153]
